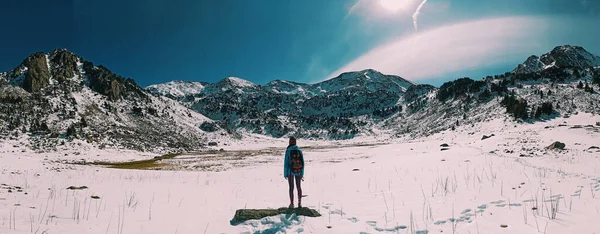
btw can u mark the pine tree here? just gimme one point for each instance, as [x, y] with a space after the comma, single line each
[576, 73]
[523, 109]
[596, 78]
[547, 108]
[586, 89]
[538, 113]
[71, 131]
[580, 85]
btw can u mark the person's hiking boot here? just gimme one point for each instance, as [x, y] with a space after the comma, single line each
[291, 206]
[299, 204]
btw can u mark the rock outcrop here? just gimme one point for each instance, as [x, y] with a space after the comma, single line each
[244, 215]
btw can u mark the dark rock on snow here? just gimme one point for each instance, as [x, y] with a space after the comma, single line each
[486, 137]
[556, 145]
[243, 215]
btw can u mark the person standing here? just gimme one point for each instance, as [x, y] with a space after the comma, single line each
[293, 169]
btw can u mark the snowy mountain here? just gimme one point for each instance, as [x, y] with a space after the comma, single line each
[59, 97]
[565, 56]
[289, 87]
[177, 89]
[283, 107]
[368, 103]
[532, 64]
[570, 56]
[367, 79]
[232, 84]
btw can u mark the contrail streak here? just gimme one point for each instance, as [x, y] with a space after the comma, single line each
[416, 14]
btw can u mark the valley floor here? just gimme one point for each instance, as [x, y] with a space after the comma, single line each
[508, 183]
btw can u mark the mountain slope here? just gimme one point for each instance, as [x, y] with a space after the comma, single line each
[283, 107]
[60, 97]
[177, 89]
[368, 103]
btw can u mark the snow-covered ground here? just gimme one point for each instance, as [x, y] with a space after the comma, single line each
[475, 186]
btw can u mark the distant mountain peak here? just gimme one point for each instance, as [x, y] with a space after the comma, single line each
[61, 50]
[177, 88]
[368, 78]
[532, 64]
[559, 56]
[238, 82]
[567, 48]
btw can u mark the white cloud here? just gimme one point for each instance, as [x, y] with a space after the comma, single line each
[462, 46]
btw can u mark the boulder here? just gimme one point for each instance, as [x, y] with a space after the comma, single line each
[243, 215]
[486, 137]
[212, 143]
[556, 145]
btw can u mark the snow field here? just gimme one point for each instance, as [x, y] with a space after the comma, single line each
[475, 186]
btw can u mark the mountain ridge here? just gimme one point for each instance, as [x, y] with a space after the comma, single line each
[61, 94]
[342, 96]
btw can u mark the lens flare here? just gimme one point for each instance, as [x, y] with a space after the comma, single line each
[394, 5]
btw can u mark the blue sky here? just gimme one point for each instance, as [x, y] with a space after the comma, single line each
[155, 41]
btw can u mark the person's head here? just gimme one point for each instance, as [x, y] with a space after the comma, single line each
[292, 141]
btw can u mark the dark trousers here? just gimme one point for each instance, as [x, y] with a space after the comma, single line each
[291, 185]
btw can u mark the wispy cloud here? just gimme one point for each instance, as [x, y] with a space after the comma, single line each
[432, 53]
[417, 13]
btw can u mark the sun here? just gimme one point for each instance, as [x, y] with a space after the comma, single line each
[393, 5]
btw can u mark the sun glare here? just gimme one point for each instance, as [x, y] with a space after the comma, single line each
[393, 5]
